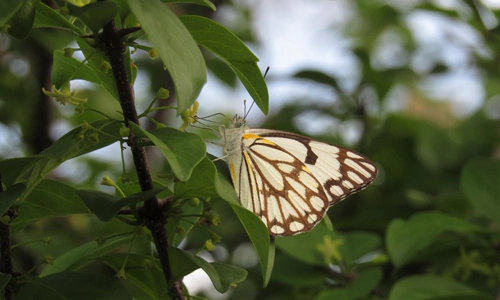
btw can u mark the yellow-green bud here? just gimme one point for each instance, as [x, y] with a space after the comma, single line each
[106, 180]
[163, 93]
[124, 131]
[121, 274]
[48, 259]
[194, 202]
[85, 126]
[215, 237]
[105, 66]
[153, 53]
[212, 217]
[209, 245]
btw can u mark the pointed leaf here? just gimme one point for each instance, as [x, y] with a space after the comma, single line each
[176, 47]
[78, 257]
[221, 275]
[49, 199]
[74, 286]
[94, 15]
[8, 197]
[66, 69]
[141, 271]
[480, 181]
[182, 150]
[222, 42]
[432, 287]
[199, 2]
[46, 17]
[22, 21]
[7, 9]
[405, 239]
[259, 235]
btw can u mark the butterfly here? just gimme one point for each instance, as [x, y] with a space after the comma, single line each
[289, 180]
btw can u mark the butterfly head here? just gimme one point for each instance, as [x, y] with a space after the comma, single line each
[237, 122]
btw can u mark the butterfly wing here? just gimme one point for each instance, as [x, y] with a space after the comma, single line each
[289, 180]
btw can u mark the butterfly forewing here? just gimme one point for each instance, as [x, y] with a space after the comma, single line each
[289, 180]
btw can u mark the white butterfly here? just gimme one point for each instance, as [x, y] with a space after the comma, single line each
[289, 180]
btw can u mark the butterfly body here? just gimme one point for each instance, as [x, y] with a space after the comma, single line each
[289, 180]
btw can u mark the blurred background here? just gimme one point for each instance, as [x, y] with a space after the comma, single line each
[413, 85]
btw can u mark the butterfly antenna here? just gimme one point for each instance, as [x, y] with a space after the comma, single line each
[248, 111]
[205, 118]
[267, 70]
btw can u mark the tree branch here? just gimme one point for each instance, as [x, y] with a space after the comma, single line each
[153, 217]
[5, 252]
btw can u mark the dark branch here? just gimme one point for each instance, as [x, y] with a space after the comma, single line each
[152, 215]
[5, 252]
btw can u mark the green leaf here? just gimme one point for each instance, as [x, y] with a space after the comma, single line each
[259, 235]
[94, 15]
[17, 169]
[8, 197]
[106, 206]
[183, 151]
[365, 282]
[78, 257]
[187, 223]
[304, 247]
[98, 203]
[199, 2]
[74, 286]
[337, 294]
[318, 77]
[406, 239]
[176, 47]
[357, 244]
[49, 199]
[7, 9]
[201, 183]
[294, 273]
[141, 271]
[222, 42]
[221, 275]
[22, 21]
[430, 287]
[75, 143]
[46, 17]
[66, 69]
[96, 58]
[4, 280]
[350, 246]
[480, 181]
